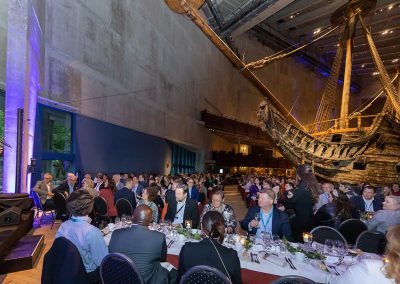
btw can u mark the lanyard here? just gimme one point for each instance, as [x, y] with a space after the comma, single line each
[176, 214]
[268, 220]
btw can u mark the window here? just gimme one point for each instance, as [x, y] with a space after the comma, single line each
[56, 131]
[183, 161]
[57, 168]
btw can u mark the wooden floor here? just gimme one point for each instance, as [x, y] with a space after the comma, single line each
[33, 276]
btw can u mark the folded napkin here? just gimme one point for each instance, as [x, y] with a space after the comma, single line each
[167, 265]
[276, 260]
[331, 259]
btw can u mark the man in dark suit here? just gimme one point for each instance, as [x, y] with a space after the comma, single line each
[137, 187]
[193, 191]
[146, 248]
[182, 208]
[68, 186]
[367, 202]
[269, 219]
[44, 188]
[126, 192]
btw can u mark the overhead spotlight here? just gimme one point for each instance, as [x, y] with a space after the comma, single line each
[362, 66]
[385, 32]
[395, 60]
[391, 31]
[375, 73]
[390, 7]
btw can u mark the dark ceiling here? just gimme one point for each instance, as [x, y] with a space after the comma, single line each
[282, 23]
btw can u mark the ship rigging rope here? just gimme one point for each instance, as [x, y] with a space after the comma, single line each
[373, 97]
[279, 55]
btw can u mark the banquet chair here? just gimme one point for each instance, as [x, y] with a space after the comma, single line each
[323, 233]
[60, 205]
[63, 264]
[351, 229]
[293, 279]
[204, 274]
[100, 208]
[118, 268]
[371, 241]
[124, 207]
[39, 208]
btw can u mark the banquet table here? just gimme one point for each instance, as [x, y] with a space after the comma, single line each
[263, 272]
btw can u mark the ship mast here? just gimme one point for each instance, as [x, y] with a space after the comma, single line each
[344, 111]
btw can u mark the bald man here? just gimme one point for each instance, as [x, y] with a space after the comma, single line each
[149, 248]
[68, 186]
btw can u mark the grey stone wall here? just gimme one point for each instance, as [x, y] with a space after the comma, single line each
[137, 64]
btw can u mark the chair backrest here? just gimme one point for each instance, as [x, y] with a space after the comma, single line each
[371, 241]
[60, 203]
[100, 206]
[323, 233]
[118, 268]
[351, 229]
[204, 274]
[36, 200]
[63, 264]
[124, 207]
[293, 279]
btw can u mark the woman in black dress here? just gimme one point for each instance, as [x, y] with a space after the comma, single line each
[209, 251]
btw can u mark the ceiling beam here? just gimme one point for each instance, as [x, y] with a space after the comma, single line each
[242, 24]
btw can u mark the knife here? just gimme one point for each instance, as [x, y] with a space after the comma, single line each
[287, 260]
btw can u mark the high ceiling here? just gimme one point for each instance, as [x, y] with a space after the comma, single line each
[282, 23]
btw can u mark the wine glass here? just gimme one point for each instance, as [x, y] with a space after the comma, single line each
[340, 249]
[257, 216]
[123, 220]
[328, 246]
[266, 238]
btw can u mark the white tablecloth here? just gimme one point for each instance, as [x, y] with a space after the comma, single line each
[307, 269]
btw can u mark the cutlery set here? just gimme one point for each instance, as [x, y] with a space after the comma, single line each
[289, 261]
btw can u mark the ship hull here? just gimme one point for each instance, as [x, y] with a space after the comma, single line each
[372, 157]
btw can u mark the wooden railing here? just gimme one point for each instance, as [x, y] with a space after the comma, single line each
[348, 124]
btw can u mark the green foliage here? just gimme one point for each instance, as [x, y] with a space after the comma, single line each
[61, 139]
[308, 254]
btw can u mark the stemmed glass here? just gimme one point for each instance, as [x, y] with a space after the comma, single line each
[257, 216]
[266, 237]
[328, 246]
[340, 249]
[123, 220]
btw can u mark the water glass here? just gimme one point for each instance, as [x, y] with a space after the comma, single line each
[328, 246]
[340, 248]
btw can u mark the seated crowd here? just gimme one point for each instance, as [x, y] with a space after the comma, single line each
[286, 208]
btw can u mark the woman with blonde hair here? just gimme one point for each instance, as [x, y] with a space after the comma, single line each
[388, 216]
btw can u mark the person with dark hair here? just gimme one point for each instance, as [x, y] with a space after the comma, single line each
[217, 204]
[148, 197]
[126, 192]
[396, 189]
[108, 193]
[337, 210]
[210, 251]
[271, 220]
[302, 202]
[88, 239]
[182, 208]
[148, 252]
[367, 201]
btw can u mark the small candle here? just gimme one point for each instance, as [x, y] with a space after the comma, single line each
[307, 237]
[385, 259]
[188, 224]
[242, 240]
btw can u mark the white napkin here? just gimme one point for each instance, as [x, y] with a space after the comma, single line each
[276, 260]
[167, 265]
[331, 259]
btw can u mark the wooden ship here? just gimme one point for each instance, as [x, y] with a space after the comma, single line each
[342, 149]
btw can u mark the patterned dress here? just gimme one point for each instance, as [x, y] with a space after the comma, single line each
[226, 211]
